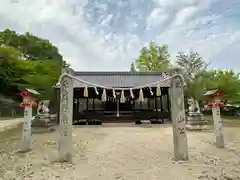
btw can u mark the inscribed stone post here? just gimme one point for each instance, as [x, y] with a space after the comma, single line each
[218, 127]
[66, 115]
[178, 119]
[26, 136]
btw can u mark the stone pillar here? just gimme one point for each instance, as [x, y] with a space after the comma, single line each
[26, 136]
[66, 115]
[178, 119]
[218, 127]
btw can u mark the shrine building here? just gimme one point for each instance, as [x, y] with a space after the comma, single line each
[119, 97]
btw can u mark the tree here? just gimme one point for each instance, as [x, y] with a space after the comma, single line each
[30, 46]
[132, 68]
[40, 75]
[199, 79]
[153, 58]
[192, 64]
[226, 81]
[8, 60]
[27, 61]
[194, 71]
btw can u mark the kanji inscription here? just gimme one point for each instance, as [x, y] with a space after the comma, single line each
[64, 107]
[178, 118]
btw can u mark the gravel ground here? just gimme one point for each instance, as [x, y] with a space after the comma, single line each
[123, 152]
[6, 124]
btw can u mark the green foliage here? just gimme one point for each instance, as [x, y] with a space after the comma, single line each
[191, 63]
[39, 75]
[9, 58]
[194, 69]
[153, 58]
[30, 46]
[27, 61]
[132, 67]
[226, 81]
[198, 78]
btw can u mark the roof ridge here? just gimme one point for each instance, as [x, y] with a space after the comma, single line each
[116, 73]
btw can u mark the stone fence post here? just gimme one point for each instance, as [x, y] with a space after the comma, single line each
[178, 118]
[66, 115]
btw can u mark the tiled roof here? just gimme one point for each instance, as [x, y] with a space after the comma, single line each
[210, 92]
[121, 79]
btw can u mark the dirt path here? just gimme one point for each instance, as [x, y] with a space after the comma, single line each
[9, 123]
[130, 153]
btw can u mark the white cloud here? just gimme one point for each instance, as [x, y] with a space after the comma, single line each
[108, 35]
[165, 3]
[184, 14]
[156, 18]
[88, 46]
[107, 20]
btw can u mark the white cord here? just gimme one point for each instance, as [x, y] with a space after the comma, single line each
[133, 88]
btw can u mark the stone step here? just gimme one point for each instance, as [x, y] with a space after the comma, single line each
[197, 122]
[42, 122]
[43, 129]
[194, 118]
[198, 127]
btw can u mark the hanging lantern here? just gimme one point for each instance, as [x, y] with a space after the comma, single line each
[141, 96]
[158, 93]
[131, 93]
[122, 99]
[85, 93]
[104, 95]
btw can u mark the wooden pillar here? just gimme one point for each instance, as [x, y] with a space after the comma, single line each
[161, 103]
[148, 103]
[26, 136]
[218, 126]
[74, 109]
[118, 106]
[86, 103]
[66, 115]
[178, 119]
[168, 101]
[57, 92]
[78, 103]
[155, 103]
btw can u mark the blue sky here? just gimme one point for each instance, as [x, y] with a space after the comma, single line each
[106, 35]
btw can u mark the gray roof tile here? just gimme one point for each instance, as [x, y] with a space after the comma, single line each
[120, 79]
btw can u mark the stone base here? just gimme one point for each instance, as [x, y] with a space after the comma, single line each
[44, 121]
[43, 129]
[195, 121]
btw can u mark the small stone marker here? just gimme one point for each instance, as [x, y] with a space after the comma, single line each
[218, 126]
[26, 136]
[178, 119]
[66, 114]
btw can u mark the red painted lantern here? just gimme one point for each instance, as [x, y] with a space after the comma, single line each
[27, 100]
[216, 100]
